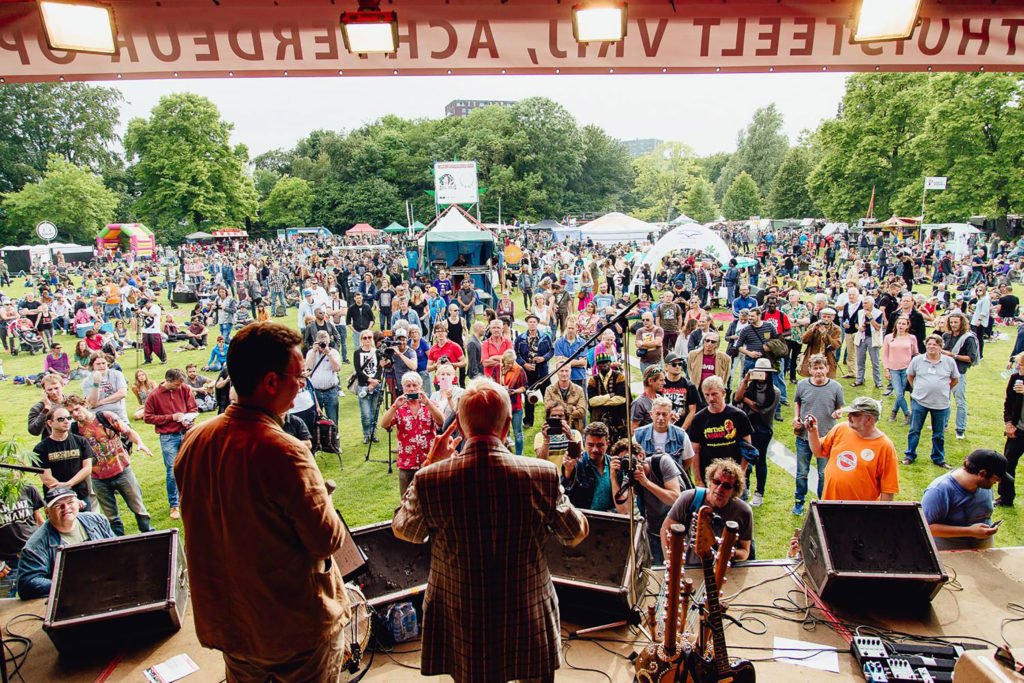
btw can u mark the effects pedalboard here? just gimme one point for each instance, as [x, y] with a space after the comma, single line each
[905, 662]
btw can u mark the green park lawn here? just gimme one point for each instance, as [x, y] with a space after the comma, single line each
[366, 493]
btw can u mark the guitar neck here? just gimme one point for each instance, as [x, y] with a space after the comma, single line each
[715, 615]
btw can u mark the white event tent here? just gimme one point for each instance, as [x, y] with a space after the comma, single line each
[694, 237]
[617, 228]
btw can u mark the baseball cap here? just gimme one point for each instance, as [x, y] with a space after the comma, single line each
[991, 461]
[58, 493]
[534, 316]
[672, 357]
[401, 332]
[307, 292]
[864, 404]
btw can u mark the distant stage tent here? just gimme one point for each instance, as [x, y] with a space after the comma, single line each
[396, 228]
[692, 237]
[455, 232]
[141, 240]
[617, 228]
[362, 229]
[198, 236]
[73, 253]
[319, 231]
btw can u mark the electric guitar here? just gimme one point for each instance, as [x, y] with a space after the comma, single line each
[717, 669]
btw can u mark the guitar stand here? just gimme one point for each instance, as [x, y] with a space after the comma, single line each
[633, 620]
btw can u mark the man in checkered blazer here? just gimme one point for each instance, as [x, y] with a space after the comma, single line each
[490, 611]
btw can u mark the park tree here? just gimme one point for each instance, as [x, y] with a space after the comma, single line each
[712, 165]
[71, 197]
[340, 206]
[870, 144]
[289, 204]
[72, 121]
[663, 178]
[789, 197]
[606, 175]
[190, 177]
[760, 148]
[742, 199]
[699, 202]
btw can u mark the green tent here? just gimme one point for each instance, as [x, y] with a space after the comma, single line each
[396, 227]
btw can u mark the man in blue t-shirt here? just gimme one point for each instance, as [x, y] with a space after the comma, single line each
[958, 505]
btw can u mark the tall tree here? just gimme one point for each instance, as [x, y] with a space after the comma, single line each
[789, 197]
[870, 144]
[662, 179]
[73, 121]
[713, 164]
[72, 198]
[189, 174]
[699, 203]
[760, 149]
[606, 175]
[289, 204]
[742, 199]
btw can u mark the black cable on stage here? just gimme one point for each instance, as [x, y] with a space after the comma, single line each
[565, 657]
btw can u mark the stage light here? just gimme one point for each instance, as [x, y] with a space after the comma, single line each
[370, 30]
[79, 25]
[879, 20]
[598, 22]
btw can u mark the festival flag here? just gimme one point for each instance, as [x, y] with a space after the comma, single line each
[871, 205]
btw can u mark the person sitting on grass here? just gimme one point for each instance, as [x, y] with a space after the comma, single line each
[218, 356]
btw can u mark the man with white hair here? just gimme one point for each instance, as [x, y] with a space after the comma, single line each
[417, 419]
[487, 514]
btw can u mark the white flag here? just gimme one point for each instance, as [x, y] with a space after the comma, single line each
[935, 183]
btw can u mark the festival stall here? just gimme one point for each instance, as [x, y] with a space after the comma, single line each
[295, 233]
[955, 235]
[395, 228]
[229, 233]
[682, 219]
[564, 233]
[617, 228]
[141, 240]
[362, 229]
[73, 253]
[455, 233]
[198, 237]
[546, 224]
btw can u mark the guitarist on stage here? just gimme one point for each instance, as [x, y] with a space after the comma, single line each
[725, 482]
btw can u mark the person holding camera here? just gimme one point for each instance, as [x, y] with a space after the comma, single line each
[444, 351]
[403, 359]
[223, 308]
[759, 399]
[557, 439]
[369, 373]
[587, 479]
[533, 351]
[320, 323]
[417, 420]
[564, 390]
[658, 480]
[323, 365]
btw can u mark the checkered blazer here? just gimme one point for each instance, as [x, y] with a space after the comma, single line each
[490, 612]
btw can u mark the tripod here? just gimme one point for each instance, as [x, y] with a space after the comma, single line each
[383, 397]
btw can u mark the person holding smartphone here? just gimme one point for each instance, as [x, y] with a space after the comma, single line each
[958, 505]
[556, 439]
[417, 419]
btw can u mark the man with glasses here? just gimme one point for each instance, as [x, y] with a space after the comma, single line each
[272, 530]
[66, 458]
[649, 342]
[708, 361]
[679, 391]
[725, 486]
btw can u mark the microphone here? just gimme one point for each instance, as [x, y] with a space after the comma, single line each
[533, 396]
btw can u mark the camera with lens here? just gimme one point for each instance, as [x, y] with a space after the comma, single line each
[322, 344]
[443, 360]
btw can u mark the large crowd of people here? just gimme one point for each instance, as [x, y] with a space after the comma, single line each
[713, 351]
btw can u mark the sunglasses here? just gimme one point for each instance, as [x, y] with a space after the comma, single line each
[675, 364]
[62, 419]
[728, 486]
[710, 341]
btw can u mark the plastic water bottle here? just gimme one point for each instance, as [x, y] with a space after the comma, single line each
[396, 623]
[410, 623]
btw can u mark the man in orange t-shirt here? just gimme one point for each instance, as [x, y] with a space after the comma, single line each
[493, 347]
[862, 462]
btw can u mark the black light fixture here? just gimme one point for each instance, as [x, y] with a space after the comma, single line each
[369, 30]
[79, 25]
[882, 20]
[599, 21]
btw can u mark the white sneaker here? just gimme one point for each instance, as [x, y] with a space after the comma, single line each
[960, 435]
[756, 500]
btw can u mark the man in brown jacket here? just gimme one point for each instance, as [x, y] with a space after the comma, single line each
[260, 528]
[708, 360]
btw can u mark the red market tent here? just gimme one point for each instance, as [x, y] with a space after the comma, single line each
[362, 229]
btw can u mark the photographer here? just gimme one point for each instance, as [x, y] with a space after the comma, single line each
[320, 324]
[564, 390]
[658, 480]
[417, 420]
[556, 439]
[367, 362]
[444, 350]
[322, 365]
[759, 399]
[402, 358]
[587, 479]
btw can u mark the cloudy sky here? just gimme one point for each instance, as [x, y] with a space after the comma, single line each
[704, 111]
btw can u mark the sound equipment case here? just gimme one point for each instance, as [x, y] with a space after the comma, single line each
[116, 590]
[871, 554]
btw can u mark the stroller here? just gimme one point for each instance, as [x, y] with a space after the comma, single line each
[27, 336]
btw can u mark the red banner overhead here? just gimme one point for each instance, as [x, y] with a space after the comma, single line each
[222, 38]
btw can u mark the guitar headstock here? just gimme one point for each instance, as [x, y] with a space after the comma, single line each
[705, 539]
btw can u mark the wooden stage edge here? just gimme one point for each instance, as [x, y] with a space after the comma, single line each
[973, 604]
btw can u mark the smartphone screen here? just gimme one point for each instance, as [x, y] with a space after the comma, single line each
[997, 523]
[554, 425]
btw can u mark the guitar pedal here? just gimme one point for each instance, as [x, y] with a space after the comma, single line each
[874, 672]
[865, 648]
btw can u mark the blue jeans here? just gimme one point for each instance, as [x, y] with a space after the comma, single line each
[939, 420]
[385, 319]
[111, 311]
[779, 380]
[276, 297]
[1018, 345]
[960, 396]
[803, 466]
[343, 332]
[517, 430]
[125, 484]
[9, 584]
[169, 445]
[366, 406]
[328, 401]
[899, 388]
[225, 331]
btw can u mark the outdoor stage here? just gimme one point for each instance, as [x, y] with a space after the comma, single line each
[973, 604]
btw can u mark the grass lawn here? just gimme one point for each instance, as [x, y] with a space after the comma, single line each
[366, 493]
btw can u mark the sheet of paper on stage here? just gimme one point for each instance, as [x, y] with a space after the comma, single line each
[173, 669]
[815, 656]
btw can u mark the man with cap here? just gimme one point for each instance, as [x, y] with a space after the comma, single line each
[533, 351]
[680, 391]
[823, 336]
[65, 525]
[958, 505]
[862, 462]
[404, 359]
[307, 306]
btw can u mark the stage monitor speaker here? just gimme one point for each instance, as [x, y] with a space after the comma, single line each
[601, 579]
[115, 591]
[871, 554]
[395, 569]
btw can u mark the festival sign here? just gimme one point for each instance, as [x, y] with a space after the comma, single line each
[237, 38]
[455, 182]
